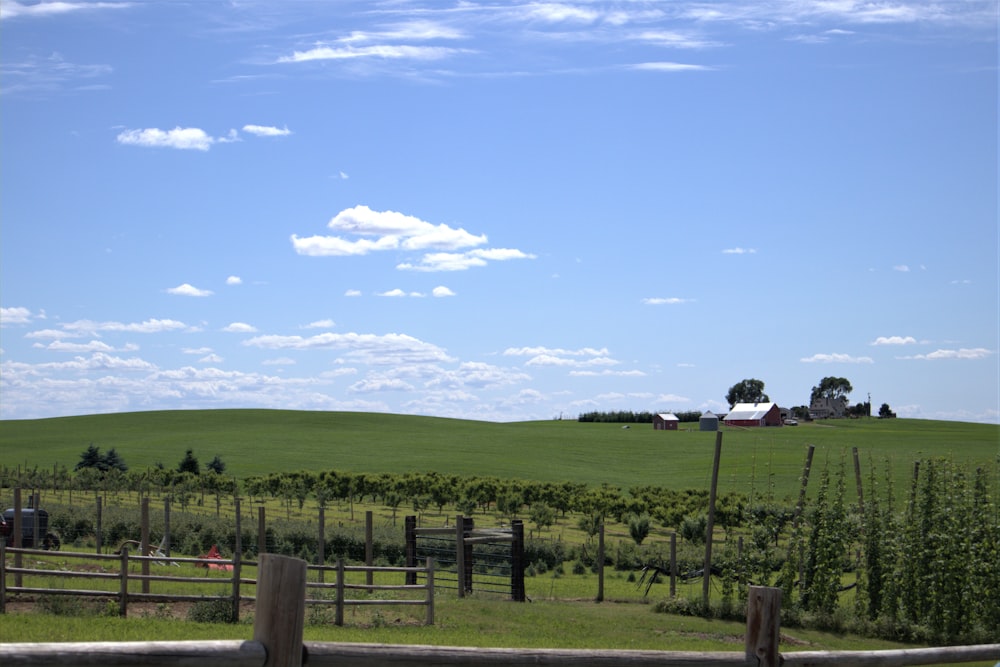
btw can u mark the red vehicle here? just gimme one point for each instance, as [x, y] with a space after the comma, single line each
[29, 517]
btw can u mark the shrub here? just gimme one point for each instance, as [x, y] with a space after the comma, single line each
[216, 610]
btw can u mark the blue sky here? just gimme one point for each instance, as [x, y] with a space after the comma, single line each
[497, 210]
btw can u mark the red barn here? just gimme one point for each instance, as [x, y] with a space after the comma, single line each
[665, 421]
[754, 414]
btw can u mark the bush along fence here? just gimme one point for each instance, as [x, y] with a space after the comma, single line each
[279, 625]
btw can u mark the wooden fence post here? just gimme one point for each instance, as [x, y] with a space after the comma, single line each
[763, 625]
[123, 584]
[3, 576]
[237, 573]
[321, 543]
[430, 591]
[99, 528]
[517, 561]
[280, 617]
[18, 543]
[410, 532]
[460, 554]
[144, 540]
[166, 527]
[339, 594]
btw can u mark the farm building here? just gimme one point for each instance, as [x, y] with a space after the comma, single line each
[754, 414]
[826, 408]
[708, 422]
[665, 421]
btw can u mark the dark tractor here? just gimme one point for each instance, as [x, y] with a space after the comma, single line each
[33, 523]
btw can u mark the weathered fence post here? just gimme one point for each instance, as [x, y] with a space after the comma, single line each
[279, 618]
[468, 525]
[237, 574]
[763, 625]
[321, 543]
[166, 527]
[99, 528]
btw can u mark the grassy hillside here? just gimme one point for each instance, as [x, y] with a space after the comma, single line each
[261, 441]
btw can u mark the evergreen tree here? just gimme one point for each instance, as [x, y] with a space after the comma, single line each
[90, 458]
[189, 464]
[112, 460]
[216, 465]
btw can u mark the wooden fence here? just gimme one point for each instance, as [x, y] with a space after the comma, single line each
[280, 620]
[117, 583]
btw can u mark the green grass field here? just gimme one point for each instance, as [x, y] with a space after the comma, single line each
[252, 442]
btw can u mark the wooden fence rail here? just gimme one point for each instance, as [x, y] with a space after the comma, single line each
[233, 581]
[280, 619]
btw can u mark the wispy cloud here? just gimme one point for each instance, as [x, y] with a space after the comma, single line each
[180, 138]
[667, 67]
[836, 358]
[902, 268]
[240, 327]
[11, 8]
[739, 251]
[147, 326]
[963, 353]
[189, 290]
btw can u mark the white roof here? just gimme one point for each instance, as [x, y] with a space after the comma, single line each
[668, 416]
[743, 411]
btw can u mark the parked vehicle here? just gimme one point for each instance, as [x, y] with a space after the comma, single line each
[29, 517]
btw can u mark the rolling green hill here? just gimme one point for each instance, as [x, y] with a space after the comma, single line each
[254, 442]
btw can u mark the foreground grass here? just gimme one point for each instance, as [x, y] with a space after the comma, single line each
[475, 621]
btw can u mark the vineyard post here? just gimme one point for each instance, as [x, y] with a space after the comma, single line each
[410, 531]
[517, 561]
[799, 508]
[673, 564]
[99, 529]
[123, 583]
[600, 562]
[710, 528]
[321, 542]
[238, 547]
[36, 504]
[369, 547]
[261, 532]
[166, 527]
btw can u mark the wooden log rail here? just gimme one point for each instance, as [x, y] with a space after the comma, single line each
[280, 619]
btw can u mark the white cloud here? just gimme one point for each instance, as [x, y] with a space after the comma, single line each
[659, 301]
[552, 360]
[14, 315]
[321, 324]
[376, 384]
[266, 131]
[963, 353]
[368, 348]
[667, 67]
[894, 340]
[181, 138]
[147, 326]
[442, 291]
[234, 280]
[739, 251]
[836, 358]
[240, 327]
[394, 293]
[196, 350]
[279, 361]
[188, 290]
[10, 8]
[211, 359]
[902, 268]
[53, 333]
[607, 373]
[449, 261]
[352, 293]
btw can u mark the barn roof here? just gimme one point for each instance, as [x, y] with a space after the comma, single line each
[742, 411]
[668, 417]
